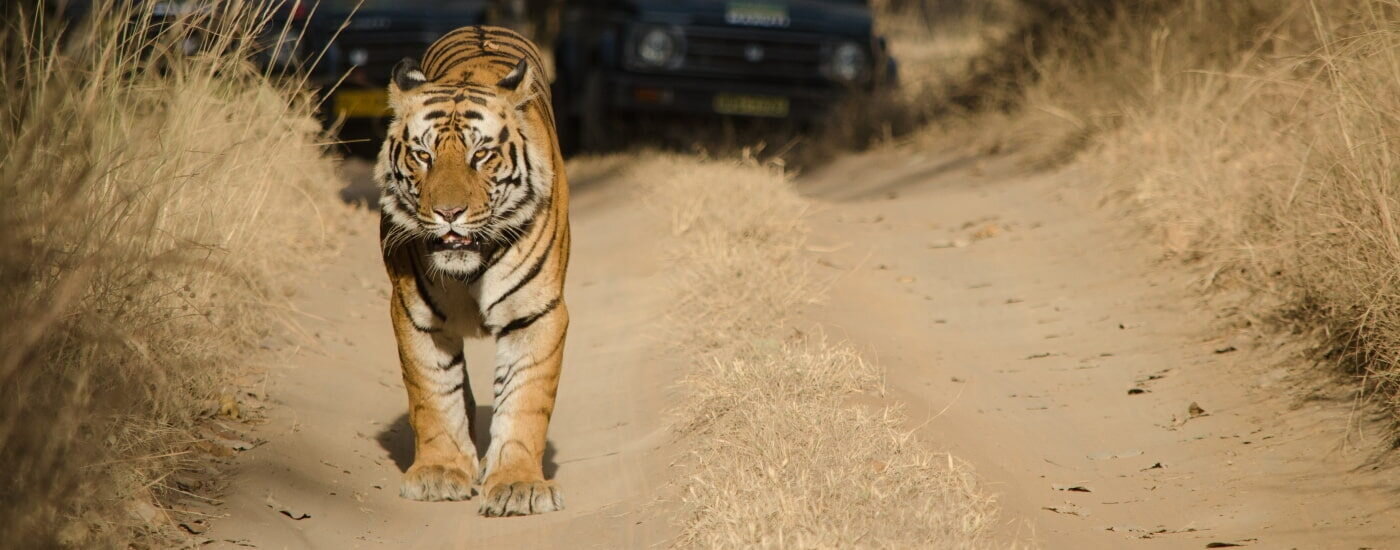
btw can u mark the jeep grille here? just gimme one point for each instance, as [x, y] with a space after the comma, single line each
[729, 52]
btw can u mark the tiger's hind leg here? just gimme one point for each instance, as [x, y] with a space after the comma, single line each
[440, 406]
[528, 360]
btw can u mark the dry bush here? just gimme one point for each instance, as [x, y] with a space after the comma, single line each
[779, 456]
[152, 200]
[1260, 137]
[1097, 67]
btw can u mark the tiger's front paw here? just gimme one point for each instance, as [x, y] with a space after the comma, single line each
[435, 482]
[522, 498]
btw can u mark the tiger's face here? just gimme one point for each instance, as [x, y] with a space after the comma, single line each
[457, 169]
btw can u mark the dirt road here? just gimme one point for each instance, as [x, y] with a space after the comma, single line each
[1024, 331]
[1051, 347]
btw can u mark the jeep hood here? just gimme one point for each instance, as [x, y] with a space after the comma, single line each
[846, 17]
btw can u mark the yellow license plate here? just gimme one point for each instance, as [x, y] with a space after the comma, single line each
[751, 105]
[362, 103]
[756, 14]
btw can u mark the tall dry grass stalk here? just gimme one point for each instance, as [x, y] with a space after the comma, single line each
[779, 455]
[1260, 137]
[152, 200]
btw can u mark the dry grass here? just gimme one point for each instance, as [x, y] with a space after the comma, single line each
[779, 456]
[1260, 138]
[935, 41]
[152, 201]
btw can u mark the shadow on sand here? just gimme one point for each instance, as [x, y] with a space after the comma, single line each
[397, 439]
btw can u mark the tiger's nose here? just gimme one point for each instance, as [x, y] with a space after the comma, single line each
[450, 213]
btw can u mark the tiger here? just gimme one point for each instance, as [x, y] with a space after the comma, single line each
[474, 233]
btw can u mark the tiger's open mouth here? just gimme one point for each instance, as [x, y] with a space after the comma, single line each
[453, 241]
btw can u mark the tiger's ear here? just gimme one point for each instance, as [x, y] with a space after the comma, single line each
[407, 75]
[511, 82]
[515, 86]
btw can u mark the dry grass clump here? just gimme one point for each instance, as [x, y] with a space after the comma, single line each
[152, 200]
[780, 457]
[1259, 136]
[742, 227]
[782, 461]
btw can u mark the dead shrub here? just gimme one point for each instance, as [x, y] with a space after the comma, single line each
[153, 198]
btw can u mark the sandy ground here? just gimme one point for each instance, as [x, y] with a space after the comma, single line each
[1052, 348]
[1013, 319]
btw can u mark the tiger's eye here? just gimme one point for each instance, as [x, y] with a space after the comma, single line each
[423, 156]
[481, 154]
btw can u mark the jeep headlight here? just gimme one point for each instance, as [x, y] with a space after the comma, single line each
[847, 63]
[658, 46]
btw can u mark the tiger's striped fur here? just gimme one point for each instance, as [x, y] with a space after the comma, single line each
[475, 237]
